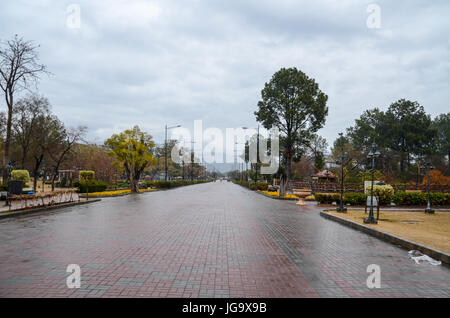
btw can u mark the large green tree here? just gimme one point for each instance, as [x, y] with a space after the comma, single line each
[403, 134]
[442, 140]
[133, 153]
[408, 130]
[293, 103]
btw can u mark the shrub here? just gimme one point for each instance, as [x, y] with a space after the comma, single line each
[327, 198]
[86, 176]
[349, 198]
[20, 175]
[416, 198]
[162, 184]
[122, 184]
[385, 193]
[355, 198]
[436, 177]
[261, 186]
[92, 186]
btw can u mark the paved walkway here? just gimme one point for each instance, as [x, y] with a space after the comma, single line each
[208, 240]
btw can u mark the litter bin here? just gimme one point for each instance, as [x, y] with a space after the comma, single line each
[15, 187]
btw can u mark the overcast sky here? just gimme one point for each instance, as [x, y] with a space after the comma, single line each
[156, 62]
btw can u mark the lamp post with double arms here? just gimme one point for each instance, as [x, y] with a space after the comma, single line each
[165, 151]
[428, 166]
[372, 155]
[341, 204]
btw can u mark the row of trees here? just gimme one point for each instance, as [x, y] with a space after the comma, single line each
[39, 141]
[33, 138]
[405, 133]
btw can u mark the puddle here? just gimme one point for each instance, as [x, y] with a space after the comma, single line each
[410, 222]
[420, 258]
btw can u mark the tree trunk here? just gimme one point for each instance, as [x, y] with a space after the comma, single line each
[9, 103]
[37, 164]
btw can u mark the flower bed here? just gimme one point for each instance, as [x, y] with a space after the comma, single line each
[117, 193]
[277, 194]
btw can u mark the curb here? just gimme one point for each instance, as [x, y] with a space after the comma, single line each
[41, 209]
[390, 238]
[391, 209]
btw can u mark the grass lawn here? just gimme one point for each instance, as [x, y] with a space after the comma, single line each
[429, 230]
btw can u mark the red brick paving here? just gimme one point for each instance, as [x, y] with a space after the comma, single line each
[209, 240]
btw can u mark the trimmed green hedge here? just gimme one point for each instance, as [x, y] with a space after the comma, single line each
[92, 186]
[400, 198]
[417, 198]
[349, 198]
[173, 184]
[262, 186]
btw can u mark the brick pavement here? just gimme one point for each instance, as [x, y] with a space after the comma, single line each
[208, 240]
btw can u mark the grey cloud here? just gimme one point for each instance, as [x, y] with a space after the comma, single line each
[148, 63]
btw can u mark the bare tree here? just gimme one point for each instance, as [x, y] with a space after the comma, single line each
[46, 137]
[26, 113]
[19, 68]
[69, 138]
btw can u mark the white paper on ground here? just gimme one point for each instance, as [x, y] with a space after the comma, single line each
[419, 257]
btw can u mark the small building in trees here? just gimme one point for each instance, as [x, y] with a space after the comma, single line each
[325, 176]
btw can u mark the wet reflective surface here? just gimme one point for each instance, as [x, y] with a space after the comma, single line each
[208, 240]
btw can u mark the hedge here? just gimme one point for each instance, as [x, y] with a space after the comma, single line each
[262, 186]
[349, 198]
[173, 184]
[420, 198]
[400, 198]
[92, 186]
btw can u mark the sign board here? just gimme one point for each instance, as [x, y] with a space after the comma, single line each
[375, 202]
[367, 184]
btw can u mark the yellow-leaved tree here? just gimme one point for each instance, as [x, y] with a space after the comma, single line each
[133, 153]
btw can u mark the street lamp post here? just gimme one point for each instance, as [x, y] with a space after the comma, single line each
[372, 155]
[165, 150]
[428, 166]
[8, 168]
[257, 152]
[341, 205]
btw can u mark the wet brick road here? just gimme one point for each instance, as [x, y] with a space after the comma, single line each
[209, 240]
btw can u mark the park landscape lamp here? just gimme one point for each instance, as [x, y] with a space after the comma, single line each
[341, 204]
[165, 150]
[372, 155]
[428, 166]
